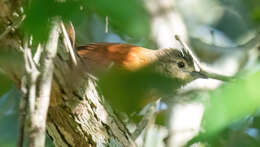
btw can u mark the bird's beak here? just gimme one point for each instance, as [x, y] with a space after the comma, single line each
[210, 75]
[197, 74]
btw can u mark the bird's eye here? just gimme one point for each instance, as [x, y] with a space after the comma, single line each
[181, 64]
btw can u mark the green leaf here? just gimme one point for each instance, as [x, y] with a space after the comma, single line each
[130, 91]
[127, 16]
[40, 12]
[5, 84]
[256, 15]
[229, 104]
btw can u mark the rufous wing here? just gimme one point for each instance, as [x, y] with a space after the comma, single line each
[127, 56]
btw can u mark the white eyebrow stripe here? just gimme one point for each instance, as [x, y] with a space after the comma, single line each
[181, 50]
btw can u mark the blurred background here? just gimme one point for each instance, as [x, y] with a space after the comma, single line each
[224, 34]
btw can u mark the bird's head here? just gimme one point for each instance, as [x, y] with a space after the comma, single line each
[178, 64]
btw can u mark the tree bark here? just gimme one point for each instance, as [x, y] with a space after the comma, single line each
[78, 115]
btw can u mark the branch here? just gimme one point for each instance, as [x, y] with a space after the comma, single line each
[36, 86]
[147, 119]
[22, 117]
[68, 44]
[28, 88]
[252, 43]
[39, 116]
[12, 28]
[37, 54]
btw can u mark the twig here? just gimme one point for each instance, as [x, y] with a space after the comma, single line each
[37, 54]
[28, 87]
[106, 29]
[32, 74]
[186, 47]
[147, 119]
[252, 43]
[68, 45]
[10, 28]
[7, 30]
[23, 104]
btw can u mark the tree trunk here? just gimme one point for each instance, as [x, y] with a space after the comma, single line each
[78, 115]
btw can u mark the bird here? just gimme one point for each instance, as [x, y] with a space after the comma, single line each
[175, 63]
[178, 63]
[142, 70]
[148, 74]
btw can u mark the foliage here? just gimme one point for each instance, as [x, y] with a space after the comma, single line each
[5, 84]
[127, 91]
[39, 13]
[127, 17]
[228, 105]
[130, 19]
[254, 8]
